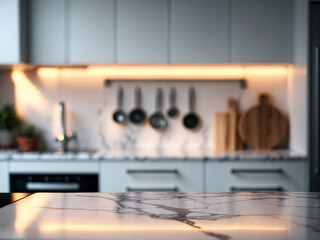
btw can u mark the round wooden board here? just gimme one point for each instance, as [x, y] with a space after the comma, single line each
[263, 126]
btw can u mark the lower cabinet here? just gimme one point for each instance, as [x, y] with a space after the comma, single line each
[4, 177]
[203, 176]
[256, 176]
[152, 176]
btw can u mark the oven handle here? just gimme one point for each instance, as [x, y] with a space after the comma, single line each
[40, 186]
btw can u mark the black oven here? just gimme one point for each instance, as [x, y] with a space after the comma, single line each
[54, 183]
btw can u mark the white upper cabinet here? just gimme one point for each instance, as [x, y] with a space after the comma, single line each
[199, 31]
[261, 31]
[47, 31]
[10, 34]
[142, 31]
[91, 31]
[149, 31]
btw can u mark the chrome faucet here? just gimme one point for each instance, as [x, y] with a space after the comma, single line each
[64, 137]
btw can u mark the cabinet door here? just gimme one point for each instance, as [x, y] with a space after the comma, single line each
[9, 32]
[4, 176]
[256, 176]
[261, 31]
[151, 177]
[47, 31]
[199, 31]
[91, 31]
[142, 31]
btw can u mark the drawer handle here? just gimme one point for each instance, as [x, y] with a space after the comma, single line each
[252, 170]
[137, 189]
[256, 189]
[132, 171]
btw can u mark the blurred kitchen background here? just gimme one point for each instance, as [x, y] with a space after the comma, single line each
[80, 52]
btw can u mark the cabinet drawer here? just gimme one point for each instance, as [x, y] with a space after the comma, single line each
[4, 177]
[288, 176]
[166, 177]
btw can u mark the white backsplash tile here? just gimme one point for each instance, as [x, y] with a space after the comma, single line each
[90, 106]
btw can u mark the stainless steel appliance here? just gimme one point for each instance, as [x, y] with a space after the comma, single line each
[314, 94]
[53, 183]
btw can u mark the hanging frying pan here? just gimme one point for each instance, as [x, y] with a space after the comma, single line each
[137, 115]
[157, 119]
[191, 119]
[119, 116]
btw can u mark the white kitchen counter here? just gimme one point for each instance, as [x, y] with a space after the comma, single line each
[158, 216]
[193, 154]
[153, 154]
[6, 154]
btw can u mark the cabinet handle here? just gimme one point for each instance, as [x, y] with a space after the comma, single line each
[252, 170]
[315, 111]
[256, 189]
[137, 189]
[175, 171]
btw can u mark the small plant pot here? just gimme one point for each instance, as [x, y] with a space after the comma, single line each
[6, 139]
[28, 144]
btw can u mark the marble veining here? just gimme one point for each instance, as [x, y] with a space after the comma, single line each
[195, 154]
[158, 154]
[221, 216]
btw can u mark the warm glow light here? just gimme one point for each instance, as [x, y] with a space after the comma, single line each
[49, 77]
[73, 72]
[60, 137]
[18, 76]
[48, 72]
[266, 71]
[113, 228]
[168, 71]
[17, 196]
[27, 211]
[28, 97]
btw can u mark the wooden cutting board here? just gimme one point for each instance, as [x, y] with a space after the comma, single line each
[234, 141]
[221, 131]
[262, 126]
[225, 129]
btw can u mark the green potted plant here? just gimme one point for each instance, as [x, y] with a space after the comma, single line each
[28, 138]
[9, 121]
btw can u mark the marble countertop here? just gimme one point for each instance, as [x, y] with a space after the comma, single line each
[196, 154]
[198, 216]
[152, 154]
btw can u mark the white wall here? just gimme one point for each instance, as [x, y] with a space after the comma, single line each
[297, 83]
[90, 106]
